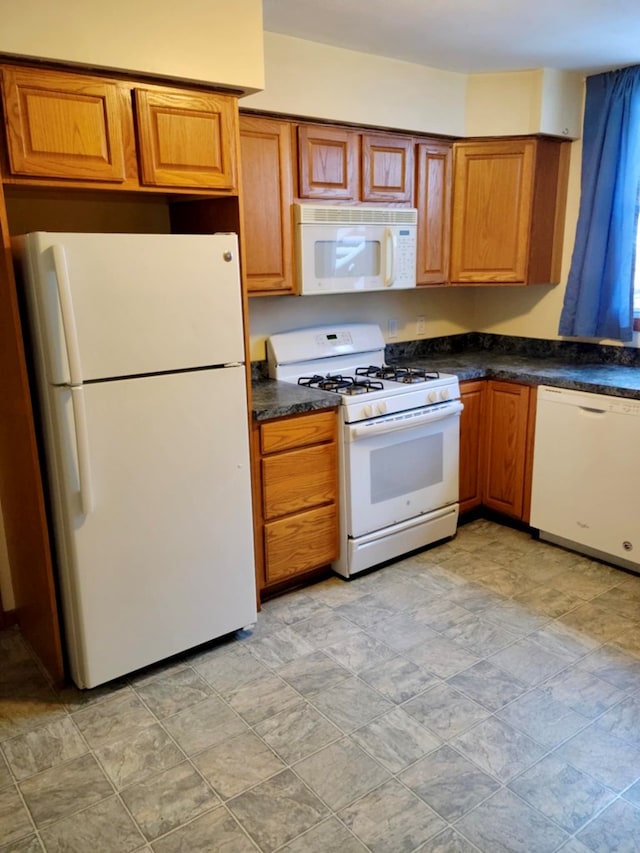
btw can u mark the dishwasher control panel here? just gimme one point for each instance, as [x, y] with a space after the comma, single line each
[590, 402]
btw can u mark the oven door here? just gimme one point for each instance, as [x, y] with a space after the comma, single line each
[400, 466]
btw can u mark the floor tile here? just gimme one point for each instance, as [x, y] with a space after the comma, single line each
[44, 747]
[5, 775]
[504, 824]
[133, 760]
[618, 600]
[296, 733]
[396, 740]
[366, 611]
[596, 622]
[507, 583]
[617, 828]
[359, 652]
[330, 836]
[203, 725]
[325, 629]
[31, 844]
[350, 704]
[277, 810]
[543, 718]
[217, 826]
[26, 710]
[449, 783]
[529, 662]
[562, 793]
[62, 790]
[615, 666]
[115, 718]
[623, 721]
[391, 819]
[583, 692]
[488, 684]
[341, 773]
[312, 673]
[512, 616]
[262, 698]
[586, 579]
[237, 764]
[168, 800]
[173, 693]
[563, 640]
[448, 841]
[441, 656]
[498, 748]
[398, 679]
[632, 795]
[445, 711]
[106, 827]
[479, 636]
[295, 607]
[611, 761]
[14, 818]
[280, 647]
[402, 631]
[440, 614]
[230, 667]
[548, 600]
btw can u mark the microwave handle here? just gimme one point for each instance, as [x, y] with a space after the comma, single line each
[389, 257]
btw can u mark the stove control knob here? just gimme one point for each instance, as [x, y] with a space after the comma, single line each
[444, 394]
[432, 396]
[367, 411]
[382, 408]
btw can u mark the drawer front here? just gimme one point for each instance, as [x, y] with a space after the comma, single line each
[298, 431]
[300, 543]
[299, 480]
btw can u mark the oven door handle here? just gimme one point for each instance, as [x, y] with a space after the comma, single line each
[382, 426]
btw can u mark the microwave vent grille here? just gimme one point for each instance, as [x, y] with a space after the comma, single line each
[311, 214]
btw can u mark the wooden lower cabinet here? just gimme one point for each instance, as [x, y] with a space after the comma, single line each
[496, 447]
[508, 448]
[472, 394]
[296, 503]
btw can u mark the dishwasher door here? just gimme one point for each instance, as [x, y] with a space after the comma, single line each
[586, 474]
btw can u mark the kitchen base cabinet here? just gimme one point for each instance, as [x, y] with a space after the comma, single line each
[295, 468]
[508, 440]
[472, 395]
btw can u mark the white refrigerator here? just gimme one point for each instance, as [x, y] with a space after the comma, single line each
[138, 357]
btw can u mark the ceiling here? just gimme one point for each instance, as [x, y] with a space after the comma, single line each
[471, 36]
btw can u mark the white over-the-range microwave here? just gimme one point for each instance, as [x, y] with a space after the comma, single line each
[341, 249]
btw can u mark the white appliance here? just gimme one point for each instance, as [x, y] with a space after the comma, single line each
[586, 470]
[399, 440]
[349, 249]
[138, 355]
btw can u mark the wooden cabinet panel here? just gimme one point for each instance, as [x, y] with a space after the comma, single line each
[328, 162]
[387, 168]
[471, 444]
[508, 211]
[62, 125]
[297, 480]
[186, 139]
[507, 431]
[267, 193]
[301, 542]
[297, 432]
[433, 201]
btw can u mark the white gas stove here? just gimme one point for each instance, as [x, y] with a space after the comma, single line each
[399, 441]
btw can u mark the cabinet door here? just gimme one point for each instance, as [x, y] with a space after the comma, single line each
[328, 162]
[433, 200]
[471, 444]
[492, 207]
[186, 139]
[299, 479]
[387, 168]
[507, 424]
[265, 151]
[64, 125]
[300, 543]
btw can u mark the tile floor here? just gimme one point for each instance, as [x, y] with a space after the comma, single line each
[483, 695]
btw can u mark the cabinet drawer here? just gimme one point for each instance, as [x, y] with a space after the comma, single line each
[297, 432]
[300, 543]
[299, 480]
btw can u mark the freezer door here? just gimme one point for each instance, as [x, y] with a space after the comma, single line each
[163, 561]
[131, 304]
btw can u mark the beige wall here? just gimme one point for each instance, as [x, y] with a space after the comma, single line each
[217, 42]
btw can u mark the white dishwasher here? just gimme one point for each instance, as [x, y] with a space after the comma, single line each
[586, 474]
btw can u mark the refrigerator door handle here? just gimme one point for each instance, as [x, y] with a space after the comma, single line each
[82, 449]
[68, 314]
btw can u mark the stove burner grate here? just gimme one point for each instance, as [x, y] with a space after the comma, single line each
[340, 384]
[408, 375]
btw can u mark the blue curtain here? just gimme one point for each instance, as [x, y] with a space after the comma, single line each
[598, 301]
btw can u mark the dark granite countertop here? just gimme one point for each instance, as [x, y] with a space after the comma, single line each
[582, 367]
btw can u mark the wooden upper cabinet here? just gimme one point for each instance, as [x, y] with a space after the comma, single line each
[61, 125]
[267, 193]
[328, 163]
[508, 210]
[433, 201]
[387, 168]
[186, 139]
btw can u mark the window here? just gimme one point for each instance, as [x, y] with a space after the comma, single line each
[636, 284]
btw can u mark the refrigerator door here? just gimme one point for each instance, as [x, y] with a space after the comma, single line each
[111, 305]
[163, 561]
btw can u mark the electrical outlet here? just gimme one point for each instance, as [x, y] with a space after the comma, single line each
[392, 329]
[421, 326]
